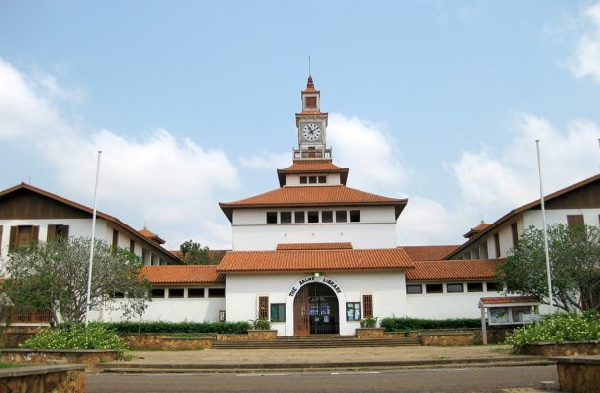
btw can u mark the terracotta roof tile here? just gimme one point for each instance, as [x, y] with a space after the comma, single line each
[429, 253]
[312, 166]
[453, 270]
[476, 229]
[509, 299]
[151, 235]
[313, 196]
[182, 274]
[314, 260]
[314, 246]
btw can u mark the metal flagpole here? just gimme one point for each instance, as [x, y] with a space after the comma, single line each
[91, 263]
[548, 272]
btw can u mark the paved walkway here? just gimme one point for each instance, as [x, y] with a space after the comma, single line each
[315, 355]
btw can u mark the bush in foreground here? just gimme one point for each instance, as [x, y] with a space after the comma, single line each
[93, 336]
[409, 324]
[557, 328]
[161, 327]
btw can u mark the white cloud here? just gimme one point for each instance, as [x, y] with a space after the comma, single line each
[172, 185]
[368, 150]
[266, 161]
[586, 59]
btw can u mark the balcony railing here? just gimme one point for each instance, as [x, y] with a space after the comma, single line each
[312, 153]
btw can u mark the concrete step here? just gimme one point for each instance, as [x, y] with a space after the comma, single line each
[338, 342]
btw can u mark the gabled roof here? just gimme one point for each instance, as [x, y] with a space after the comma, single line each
[314, 260]
[151, 235]
[312, 167]
[476, 229]
[516, 212]
[136, 234]
[472, 269]
[182, 274]
[313, 196]
[314, 246]
[429, 253]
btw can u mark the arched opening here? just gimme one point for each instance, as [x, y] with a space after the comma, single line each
[316, 310]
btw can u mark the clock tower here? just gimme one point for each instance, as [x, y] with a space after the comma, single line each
[311, 124]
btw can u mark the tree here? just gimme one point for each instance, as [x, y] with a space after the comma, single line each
[193, 253]
[575, 266]
[53, 276]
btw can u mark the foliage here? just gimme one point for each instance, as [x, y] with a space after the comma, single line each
[161, 327]
[53, 276]
[408, 324]
[368, 322]
[260, 323]
[556, 328]
[575, 266]
[93, 336]
[193, 253]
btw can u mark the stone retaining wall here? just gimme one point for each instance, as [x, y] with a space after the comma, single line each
[447, 339]
[167, 342]
[565, 348]
[88, 357]
[12, 336]
[43, 379]
[579, 374]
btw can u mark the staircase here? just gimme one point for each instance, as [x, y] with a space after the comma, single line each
[317, 342]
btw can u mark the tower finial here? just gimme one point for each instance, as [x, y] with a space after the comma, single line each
[309, 65]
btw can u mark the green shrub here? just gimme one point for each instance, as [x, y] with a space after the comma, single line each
[409, 324]
[94, 336]
[260, 323]
[556, 328]
[161, 327]
[368, 322]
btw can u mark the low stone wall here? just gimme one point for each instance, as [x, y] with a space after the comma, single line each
[252, 335]
[565, 348]
[579, 374]
[373, 333]
[447, 339]
[12, 336]
[43, 379]
[167, 342]
[88, 357]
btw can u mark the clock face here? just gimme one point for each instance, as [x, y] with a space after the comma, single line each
[311, 131]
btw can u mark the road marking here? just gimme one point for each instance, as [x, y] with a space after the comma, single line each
[357, 373]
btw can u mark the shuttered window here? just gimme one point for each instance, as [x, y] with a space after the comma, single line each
[263, 307]
[515, 233]
[367, 306]
[575, 220]
[497, 244]
[59, 230]
[22, 235]
[115, 240]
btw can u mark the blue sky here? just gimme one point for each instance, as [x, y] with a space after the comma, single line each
[193, 103]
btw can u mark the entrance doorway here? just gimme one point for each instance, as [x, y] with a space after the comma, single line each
[316, 310]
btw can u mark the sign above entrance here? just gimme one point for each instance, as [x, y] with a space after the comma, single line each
[309, 279]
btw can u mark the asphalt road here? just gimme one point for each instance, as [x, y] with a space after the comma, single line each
[489, 379]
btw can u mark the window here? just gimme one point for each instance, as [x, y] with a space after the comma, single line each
[497, 244]
[311, 102]
[222, 316]
[115, 240]
[132, 246]
[322, 179]
[327, 216]
[22, 235]
[474, 287]
[303, 179]
[271, 217]
[175, 292]
[299, 217]
[515, 233]
[575, 220]
[414, 288]
[263, 307]
[278, 312]
[312, 180]
[216, 292]
[492, 286]
[454, 287]
[475, 253]
[195, 292]
[354, 215]
[483, 251]
[341, 216]
[313, 217]
[353, 311]
[368, 306]
[158, 293]
[286, 217]
[434, 288]
[57, 230]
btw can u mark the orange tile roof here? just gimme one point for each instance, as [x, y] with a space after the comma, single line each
[429, 253]
[305, 196]
[183, 274]
[453, 270]
[476, 229]
[314, 260]
[509, 299]
[314, 246]
[514, 213]
[151, 235]
[312, 166]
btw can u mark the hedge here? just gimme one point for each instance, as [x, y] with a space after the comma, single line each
[161, 327]
[409, 324]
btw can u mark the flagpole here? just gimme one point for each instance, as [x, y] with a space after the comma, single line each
[91, 262]
[548, 272]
